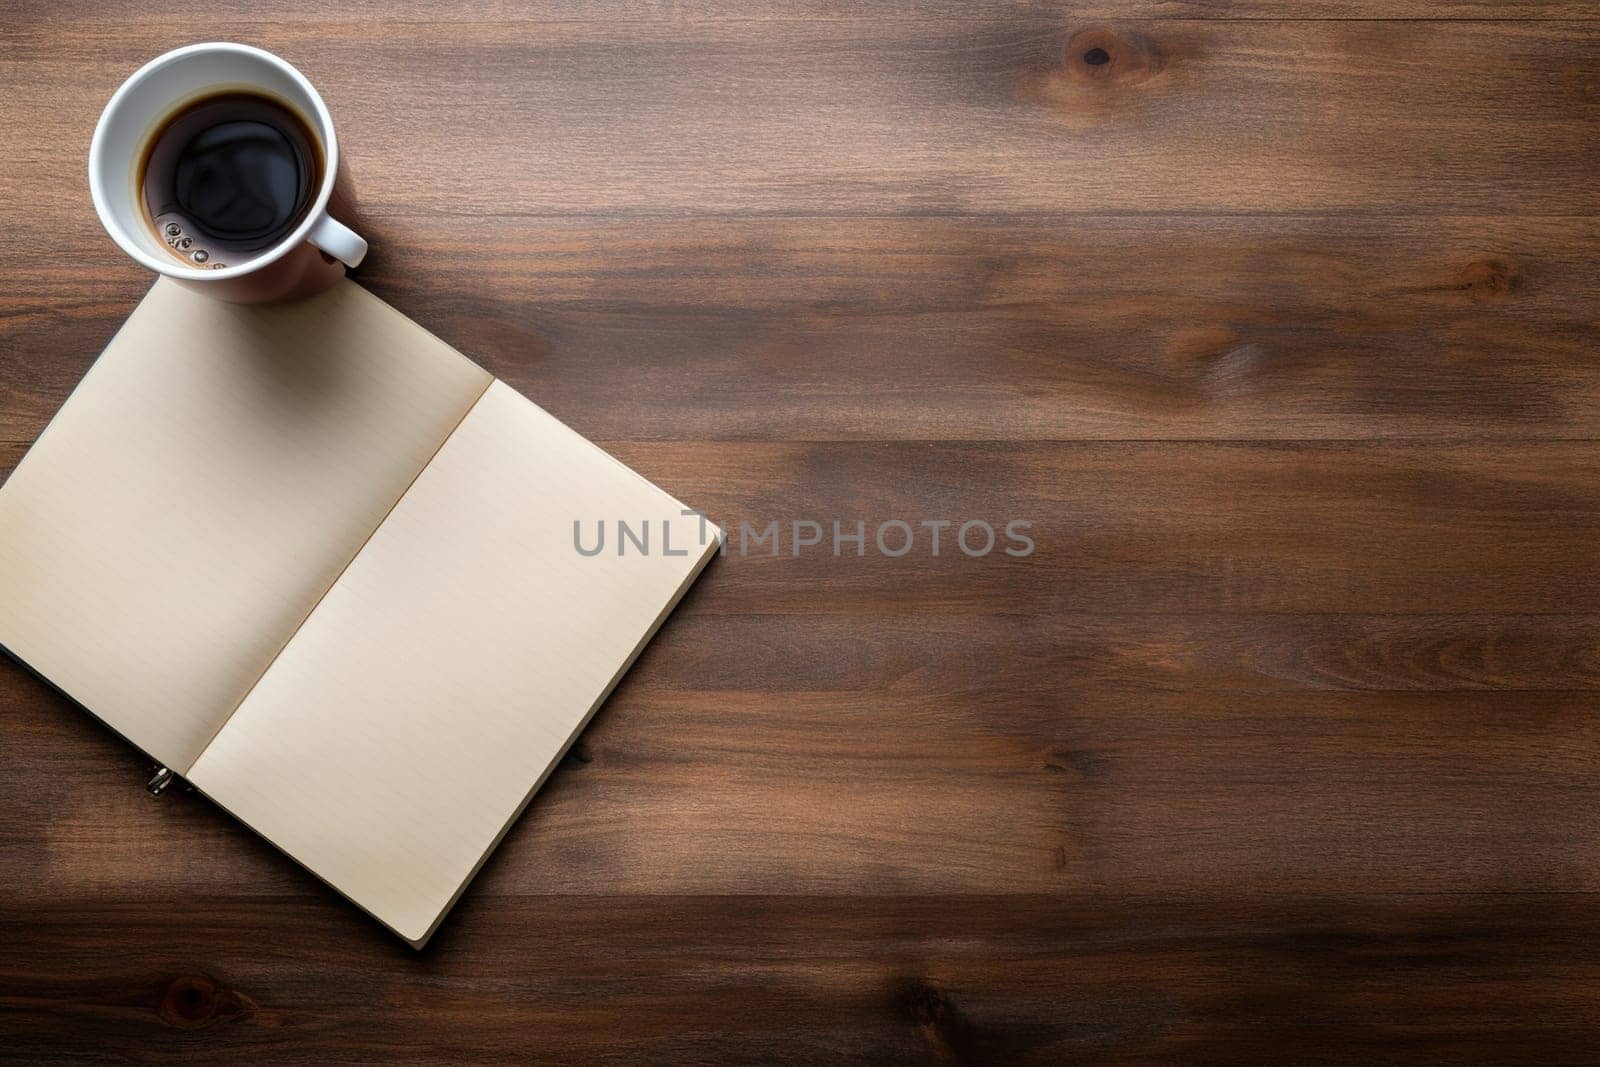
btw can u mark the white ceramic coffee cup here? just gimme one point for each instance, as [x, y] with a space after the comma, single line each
[310, 258]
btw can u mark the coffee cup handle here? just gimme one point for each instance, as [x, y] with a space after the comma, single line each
[338, 240]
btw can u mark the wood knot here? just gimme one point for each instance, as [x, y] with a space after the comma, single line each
[1099, 56]
[1490, 281]
[1102, 76]
[193, 1001]
[1076, 761]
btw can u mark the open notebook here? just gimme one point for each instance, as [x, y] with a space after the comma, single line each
[323, 566]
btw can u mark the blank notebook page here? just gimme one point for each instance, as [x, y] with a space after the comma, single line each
[200, 490]
[417, 709]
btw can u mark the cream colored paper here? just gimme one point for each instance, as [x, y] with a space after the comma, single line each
[410, 719]
[319, 562]
[210, 477]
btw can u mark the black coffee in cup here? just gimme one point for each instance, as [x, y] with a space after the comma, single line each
[228, 177]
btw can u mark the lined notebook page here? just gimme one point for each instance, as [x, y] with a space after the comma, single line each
[209, 478]
[412, 716]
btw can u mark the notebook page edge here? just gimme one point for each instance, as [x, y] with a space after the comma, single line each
[66, 695]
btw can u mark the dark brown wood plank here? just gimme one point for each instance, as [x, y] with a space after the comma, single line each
[860, 117]
[1093, 649]
[948, 328]
[1033, 979]
[1365, 527]
[174, 13]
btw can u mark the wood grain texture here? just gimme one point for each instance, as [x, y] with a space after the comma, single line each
[710, 979]
[976, 329]
[1279, 326]
[1017, 12]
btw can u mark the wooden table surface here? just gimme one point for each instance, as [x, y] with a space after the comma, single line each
[1279, 324]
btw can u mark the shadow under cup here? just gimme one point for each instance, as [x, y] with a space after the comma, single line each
[147, 102]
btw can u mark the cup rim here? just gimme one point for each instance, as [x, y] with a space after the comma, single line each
[291, 241]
